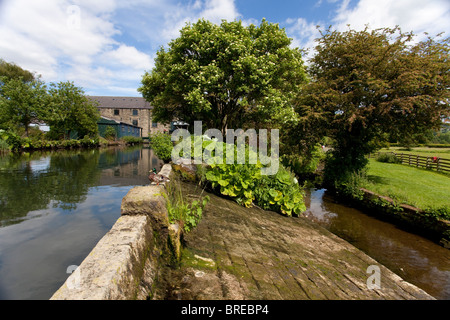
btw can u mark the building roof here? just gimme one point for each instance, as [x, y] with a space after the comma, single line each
[121, 102]
[105, 120]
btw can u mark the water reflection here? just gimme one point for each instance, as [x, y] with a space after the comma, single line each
[54, 208]
[414, 258]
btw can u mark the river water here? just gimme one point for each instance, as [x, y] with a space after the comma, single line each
[55, 207]
[414, 258]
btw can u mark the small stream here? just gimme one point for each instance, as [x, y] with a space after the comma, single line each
[414, 258]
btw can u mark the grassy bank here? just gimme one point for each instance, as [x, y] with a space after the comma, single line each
[417, 187]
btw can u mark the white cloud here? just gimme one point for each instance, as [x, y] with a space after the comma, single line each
[212, 10]
[130, 57]
[302, 32]
[432, 16]
[64, 40]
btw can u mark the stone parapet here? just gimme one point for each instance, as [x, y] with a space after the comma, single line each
[125, 262]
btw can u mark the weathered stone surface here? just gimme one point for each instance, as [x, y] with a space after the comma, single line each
[115, 267]
[175, 242]
[259, 254]
[147, 200]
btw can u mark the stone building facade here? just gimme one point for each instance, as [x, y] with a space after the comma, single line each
[132, 110]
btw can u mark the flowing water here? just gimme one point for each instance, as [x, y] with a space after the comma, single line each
[414, 258]
[55, 207]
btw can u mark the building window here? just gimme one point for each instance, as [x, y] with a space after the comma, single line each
[116, 112]
[135, 122]
[154, 124]
[135, 112]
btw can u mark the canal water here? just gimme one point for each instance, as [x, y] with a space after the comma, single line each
[414, 258]
[55, 207]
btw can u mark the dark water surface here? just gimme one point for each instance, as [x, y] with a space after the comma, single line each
[55, 207]
[414, 258]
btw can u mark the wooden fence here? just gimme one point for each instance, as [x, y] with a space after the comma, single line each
[433, 163]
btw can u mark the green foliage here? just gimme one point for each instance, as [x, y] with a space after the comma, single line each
[17, 143]
[21, 102]
[110, 133]
[371, 85]
[350, 184]
[245, 184]
[12, 71]
[388, 157]
[225, 75]
[237, 181]
[306, 164]
[187, 214]
[437, 213]
[13, 140]
[280, 193]
[131, 140]
[70, 110]
[162, 144]
[438, 145]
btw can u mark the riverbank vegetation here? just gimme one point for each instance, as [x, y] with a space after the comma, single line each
[26, 102]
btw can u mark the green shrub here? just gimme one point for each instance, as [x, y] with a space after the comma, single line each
[187, 214]
[3, 145]
[304, 166]
[110, 133]
[442, 145]
[388, 158]
[131, 140]
[350, 184]
[237, 181]
[280, 193]
[245, 184]
[13, 140]
[437, 213]
[161, 143]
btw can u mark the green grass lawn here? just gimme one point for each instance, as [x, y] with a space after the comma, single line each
[421, 151]
[417, 187]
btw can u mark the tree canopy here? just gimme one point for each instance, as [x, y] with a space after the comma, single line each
[366, 85]
[12, 71]
[70, 110]
[21, 103]
[25, 99]
[226, 75]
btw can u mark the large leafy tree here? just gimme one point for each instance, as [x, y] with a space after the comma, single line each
[21, 102]
[226, 75]
[366, 85]
[69, 110]
[22, 96]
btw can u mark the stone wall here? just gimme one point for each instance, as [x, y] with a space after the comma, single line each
[143, 118]
[436, 229]
[127, 260]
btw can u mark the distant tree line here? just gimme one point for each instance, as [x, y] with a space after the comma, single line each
[25, 99]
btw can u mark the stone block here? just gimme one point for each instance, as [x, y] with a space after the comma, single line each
[147, 200]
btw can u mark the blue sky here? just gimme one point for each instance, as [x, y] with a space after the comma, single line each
[105, 46]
